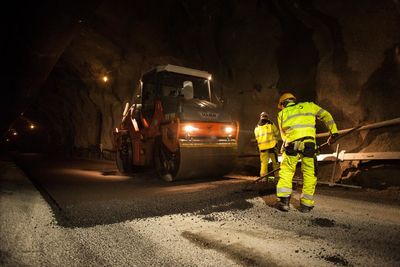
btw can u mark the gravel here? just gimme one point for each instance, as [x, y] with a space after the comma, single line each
[93, 219]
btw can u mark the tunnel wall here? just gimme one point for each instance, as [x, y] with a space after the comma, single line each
[342, 55]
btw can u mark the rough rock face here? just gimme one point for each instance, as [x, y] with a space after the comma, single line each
[343, 55]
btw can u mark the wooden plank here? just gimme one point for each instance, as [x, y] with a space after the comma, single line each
[350, 156]
[371, 156]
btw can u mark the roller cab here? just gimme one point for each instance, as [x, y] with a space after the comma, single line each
[176, 127]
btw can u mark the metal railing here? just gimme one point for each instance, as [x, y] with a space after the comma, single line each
[342, 155]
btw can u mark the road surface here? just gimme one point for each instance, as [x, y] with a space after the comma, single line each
[83, 213]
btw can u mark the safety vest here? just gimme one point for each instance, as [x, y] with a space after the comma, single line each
[266, 136]
[298, 120]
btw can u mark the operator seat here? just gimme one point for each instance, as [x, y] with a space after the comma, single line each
[187, 90]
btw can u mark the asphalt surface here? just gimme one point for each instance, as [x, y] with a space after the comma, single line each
[83, 213]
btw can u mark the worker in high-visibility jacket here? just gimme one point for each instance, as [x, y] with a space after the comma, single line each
[297, 127]
[267, 137]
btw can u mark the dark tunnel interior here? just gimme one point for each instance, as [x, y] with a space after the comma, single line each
[138, 133]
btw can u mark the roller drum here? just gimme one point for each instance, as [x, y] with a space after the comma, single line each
[197, 160]
[206, 160]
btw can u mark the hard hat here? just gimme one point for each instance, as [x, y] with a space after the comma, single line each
[284, 97]
[264, 115]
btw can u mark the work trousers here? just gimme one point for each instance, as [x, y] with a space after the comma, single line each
[265, 155]
[288, 168]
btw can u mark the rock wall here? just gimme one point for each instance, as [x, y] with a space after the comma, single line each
[342, 55]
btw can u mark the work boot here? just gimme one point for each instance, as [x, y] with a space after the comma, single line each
[304, 208]
[283, 203]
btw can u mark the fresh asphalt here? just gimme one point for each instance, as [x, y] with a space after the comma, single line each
[84, 213]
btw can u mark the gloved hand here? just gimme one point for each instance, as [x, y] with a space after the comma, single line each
[332, 138]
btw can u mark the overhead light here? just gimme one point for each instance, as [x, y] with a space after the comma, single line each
[32, 126]
[105, 78]
[15, 133]
[209, 78]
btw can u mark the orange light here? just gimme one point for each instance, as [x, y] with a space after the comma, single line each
[237, 130]
[207, 129]
[189, 129]
[105, 78]
[32, 126]
[228, 130]
[145, 123]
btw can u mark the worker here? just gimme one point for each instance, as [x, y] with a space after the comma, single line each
[297, 127]
[267, 137]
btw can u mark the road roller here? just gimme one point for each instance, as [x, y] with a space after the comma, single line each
[176, 126]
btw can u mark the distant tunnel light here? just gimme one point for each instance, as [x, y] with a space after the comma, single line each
[105, 78]
[32, 126]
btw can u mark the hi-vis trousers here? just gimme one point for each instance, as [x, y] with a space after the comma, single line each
[264, 159]
[304, 150]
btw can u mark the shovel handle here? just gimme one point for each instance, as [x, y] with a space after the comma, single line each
[271, 172]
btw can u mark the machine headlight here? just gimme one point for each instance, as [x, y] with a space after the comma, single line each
[189, 129]
[228, 130]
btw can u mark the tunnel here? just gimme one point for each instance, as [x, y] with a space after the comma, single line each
[75, 87]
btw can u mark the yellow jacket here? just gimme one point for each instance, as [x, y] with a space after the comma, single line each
[266, 136]
[298, 120]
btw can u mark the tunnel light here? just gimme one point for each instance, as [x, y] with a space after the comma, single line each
[190, 129]
[15, 133]
[209, 78]
[32, 126]
[8, 140]
[105, 78]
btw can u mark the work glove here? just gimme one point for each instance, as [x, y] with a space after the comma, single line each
[332, 138]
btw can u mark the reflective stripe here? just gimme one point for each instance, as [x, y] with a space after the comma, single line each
[306, 204]
[330, 122]
[309, 197]
[266, 142]
[263, 134]
[320, 112]
[298, 115]
[301, 126]
[284, 190]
